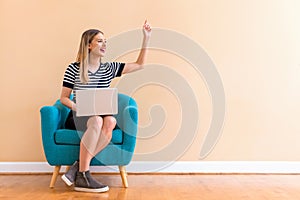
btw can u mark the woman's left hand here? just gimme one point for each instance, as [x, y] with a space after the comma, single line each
[147, 29]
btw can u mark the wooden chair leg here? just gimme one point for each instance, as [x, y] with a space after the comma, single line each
[54, 176]
[67, 168]
[123, 176]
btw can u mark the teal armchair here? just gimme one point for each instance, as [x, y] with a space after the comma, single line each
[61, 146]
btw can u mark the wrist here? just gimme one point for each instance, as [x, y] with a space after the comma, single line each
[73, 106]
[146, 38]
[145, 42]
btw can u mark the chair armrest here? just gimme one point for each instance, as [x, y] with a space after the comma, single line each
[130, 127]
[50, 117]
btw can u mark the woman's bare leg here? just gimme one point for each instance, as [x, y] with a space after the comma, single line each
[89, 142]
[109, 123]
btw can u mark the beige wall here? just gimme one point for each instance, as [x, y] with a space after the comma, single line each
[254, 44]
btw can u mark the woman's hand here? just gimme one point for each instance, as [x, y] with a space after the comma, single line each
[147, 29]
[74, 108]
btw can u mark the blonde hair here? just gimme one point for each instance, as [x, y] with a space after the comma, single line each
[83, 53]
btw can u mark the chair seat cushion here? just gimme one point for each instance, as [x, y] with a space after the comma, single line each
[72, 137]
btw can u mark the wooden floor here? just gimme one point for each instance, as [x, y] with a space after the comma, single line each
[156, 187]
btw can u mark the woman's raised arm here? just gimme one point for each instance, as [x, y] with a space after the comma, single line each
[134, 66]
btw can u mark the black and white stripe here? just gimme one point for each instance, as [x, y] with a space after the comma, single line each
[100, 79]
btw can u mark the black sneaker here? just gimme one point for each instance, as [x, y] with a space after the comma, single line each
[70, 176]
[86, 183]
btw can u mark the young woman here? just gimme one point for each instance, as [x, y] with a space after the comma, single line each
[89, 72]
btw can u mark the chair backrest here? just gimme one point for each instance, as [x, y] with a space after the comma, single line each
[124, 101]
[63, 111]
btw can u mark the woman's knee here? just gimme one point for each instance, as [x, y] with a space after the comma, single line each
[95, 122]
[109, 123]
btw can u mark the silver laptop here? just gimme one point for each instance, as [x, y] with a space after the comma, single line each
[98, 101]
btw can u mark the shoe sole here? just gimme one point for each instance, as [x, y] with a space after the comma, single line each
[66, 180]
[98, 190]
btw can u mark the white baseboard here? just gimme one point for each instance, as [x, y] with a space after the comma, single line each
[283, 167]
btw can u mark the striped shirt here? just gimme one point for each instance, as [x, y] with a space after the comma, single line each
[99, 79]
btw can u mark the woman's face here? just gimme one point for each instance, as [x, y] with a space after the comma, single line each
[98, 45]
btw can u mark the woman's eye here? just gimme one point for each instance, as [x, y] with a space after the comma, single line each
[101, 41]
